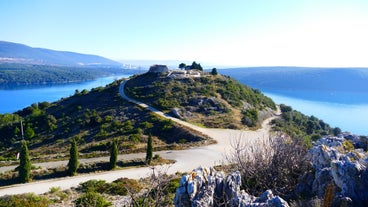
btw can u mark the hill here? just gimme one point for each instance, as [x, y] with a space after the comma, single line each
[94, 118]
[19, 53]
[212, 101]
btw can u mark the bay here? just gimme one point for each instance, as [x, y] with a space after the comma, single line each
[349, 117]
[19, 98]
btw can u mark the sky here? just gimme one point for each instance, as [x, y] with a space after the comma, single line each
[324, 33]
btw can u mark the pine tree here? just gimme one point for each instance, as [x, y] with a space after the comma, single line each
[113, 154]
[214, 71]
[149, 150]
[24, 168]
[73, 159]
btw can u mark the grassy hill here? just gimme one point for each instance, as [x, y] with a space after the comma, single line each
[212, 101]
[93, 117]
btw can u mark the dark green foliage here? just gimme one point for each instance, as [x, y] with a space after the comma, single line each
[73, 159]
[298, 125]
[113, 154]
[149, 153]
[26, 200]
[182, 66]
[24, 74]
[24, 168]
[250, 117]
[196, 66]
[336, 131]
[120, 186]
[91, 199]
[214, 71]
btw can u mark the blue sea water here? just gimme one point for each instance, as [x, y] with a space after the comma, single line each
[19, 98]
[349, 117]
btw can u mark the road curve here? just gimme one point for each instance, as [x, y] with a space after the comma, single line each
[186, 160]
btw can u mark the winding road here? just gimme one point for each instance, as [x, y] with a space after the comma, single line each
[186, 160]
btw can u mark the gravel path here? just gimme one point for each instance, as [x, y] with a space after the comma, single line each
[186, 160]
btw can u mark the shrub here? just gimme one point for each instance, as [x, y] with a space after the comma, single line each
[276, 164]
[91, 199]
[94, 186]
[28, 200]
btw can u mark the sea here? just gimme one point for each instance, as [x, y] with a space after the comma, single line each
[19, 97]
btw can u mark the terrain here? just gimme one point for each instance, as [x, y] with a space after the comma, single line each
[211, 101]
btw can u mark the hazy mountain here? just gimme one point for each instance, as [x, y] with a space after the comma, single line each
[19, 53]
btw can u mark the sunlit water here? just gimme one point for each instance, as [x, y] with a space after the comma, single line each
[349, 117]
[14, 100]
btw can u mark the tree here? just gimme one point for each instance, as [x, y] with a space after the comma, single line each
[182, 66]
[113, 154]
[73, 159]
[149, 153]
[24, 168]
[214, 71]
[29, 132]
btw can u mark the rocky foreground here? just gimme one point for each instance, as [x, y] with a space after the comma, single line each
[206, 187]
[340, 171]
[339, 177]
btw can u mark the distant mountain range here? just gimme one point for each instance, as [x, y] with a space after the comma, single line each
[18, 53]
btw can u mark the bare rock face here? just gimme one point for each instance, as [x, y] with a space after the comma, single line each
[347, 170]
[207, 187]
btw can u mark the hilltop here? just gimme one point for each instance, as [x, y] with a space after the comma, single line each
[210, 100]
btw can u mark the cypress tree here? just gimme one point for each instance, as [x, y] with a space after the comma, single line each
[113, 154]
[149, 150]
[24, 168]
[73, 159]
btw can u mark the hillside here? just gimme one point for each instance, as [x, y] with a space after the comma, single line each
[95, 118]
[212, 101]
[19, 53]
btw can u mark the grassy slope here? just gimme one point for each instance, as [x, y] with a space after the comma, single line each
[213, 101]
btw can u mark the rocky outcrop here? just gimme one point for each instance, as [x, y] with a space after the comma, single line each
[206, 187]
[345, 168]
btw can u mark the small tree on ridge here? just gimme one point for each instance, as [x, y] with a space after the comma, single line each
[24, 168]
[73, 159]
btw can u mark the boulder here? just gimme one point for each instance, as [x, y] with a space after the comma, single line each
[206, 187]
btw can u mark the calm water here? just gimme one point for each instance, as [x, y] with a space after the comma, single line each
[349, 117]
[14, 100]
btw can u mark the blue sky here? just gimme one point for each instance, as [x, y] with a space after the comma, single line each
[239, 32]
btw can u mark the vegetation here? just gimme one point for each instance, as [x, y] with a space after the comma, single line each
[12, 74]
[29, 200]
[24, 168]
[73, 159]
[149, 152]
[91, 199]
[276, 164]
[212, 101]
[94, 124]
[300, 126]
[214, 71]
[113, 154]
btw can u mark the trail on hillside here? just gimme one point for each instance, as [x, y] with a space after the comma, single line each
[186, 160]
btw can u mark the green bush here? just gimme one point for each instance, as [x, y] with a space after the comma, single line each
[91, 199]
[26, 200]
